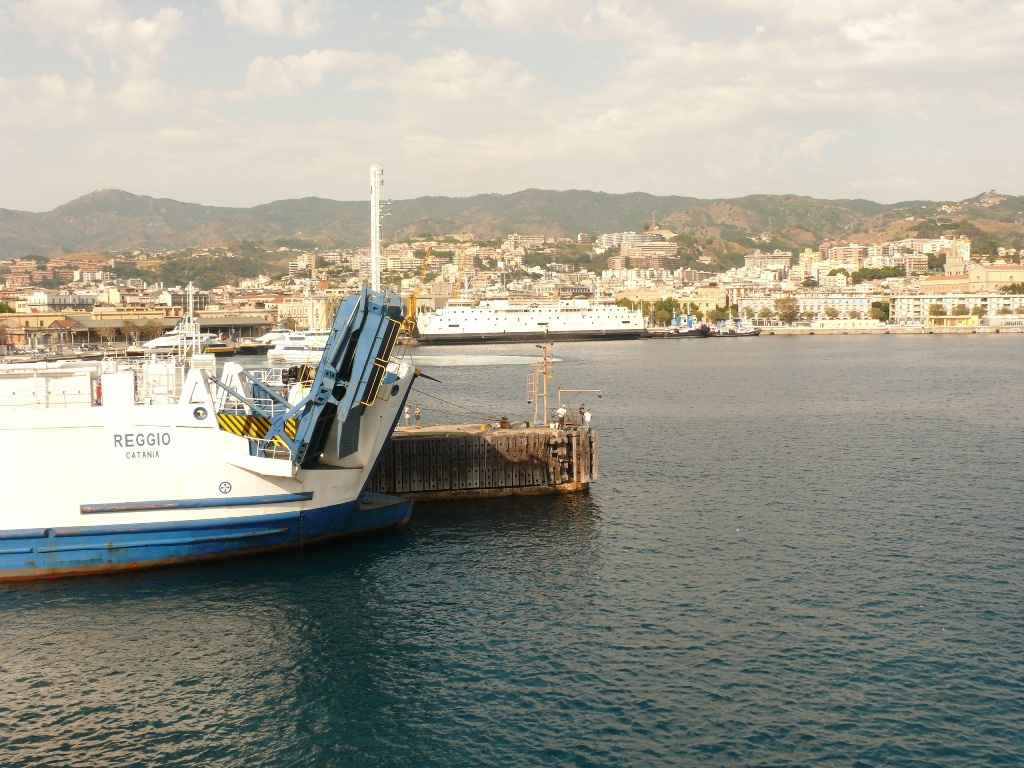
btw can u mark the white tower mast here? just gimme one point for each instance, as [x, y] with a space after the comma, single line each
[376, 182]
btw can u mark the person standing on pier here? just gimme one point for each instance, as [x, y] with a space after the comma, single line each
[418, 424]
[560, 413]
[408, 415]
[587, 418]
[582, 410]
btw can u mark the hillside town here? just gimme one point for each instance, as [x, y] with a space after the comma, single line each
[86, 299]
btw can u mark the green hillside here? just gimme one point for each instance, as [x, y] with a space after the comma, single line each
[116, 221]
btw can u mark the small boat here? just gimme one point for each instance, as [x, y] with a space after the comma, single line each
[219, 349]
[682, 327]
[261, 344]
[738, 328]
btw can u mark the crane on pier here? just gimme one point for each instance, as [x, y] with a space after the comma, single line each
[461, 269]
[410, 316]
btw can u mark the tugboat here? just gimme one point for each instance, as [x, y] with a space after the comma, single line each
[737, 328]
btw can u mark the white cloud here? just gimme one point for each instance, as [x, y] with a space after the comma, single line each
[289, 75]
[578, 19]
[44, 100]
[433, 17]
[49, 101]
[90, 26]
[710, 97]
[813, 145]
[289, 18]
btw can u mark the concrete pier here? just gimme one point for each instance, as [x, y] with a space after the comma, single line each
[468, 461]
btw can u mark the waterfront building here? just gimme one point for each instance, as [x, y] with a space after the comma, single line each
[976, 278]
[812, 303]
[915, 308]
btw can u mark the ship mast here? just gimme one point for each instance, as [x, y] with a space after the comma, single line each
[376, 182]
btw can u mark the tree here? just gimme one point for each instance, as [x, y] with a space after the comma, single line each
[961, 310]
[787, 308]
[880, 273]
[853, 314]
[808, 315]
[936, 310]
[151, 329]
[766, 313]
[810, 282]
[669, 305]
[718, 314]
[1004, 311]
[838, 271]
[831, 313]
[748, 313]
[1015, 288]
[106, 332]
[6, 308]
[880, 311]
[129, 329]
[662, 316]
[979, 311]
[291, 323]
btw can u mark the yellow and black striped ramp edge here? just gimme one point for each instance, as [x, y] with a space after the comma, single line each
[254, 426]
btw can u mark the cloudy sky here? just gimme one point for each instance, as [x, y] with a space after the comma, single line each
[241, 102]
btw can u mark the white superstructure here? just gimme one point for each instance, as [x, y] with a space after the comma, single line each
[298, 348]
[510, 320]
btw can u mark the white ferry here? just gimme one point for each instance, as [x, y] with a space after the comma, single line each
[117, 465]
[504, 320]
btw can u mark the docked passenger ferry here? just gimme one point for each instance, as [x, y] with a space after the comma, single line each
[123, 464]
[507, 320]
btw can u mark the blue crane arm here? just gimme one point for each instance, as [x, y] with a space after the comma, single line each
[350, 372]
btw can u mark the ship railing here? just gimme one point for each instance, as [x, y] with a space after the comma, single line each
[274, 448]
[46, 400]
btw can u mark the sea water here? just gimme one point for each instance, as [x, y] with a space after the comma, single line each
[799, 551]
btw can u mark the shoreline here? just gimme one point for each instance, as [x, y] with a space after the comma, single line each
[896, 329]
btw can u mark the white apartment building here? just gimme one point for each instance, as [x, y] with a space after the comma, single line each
[820, 269]
[649, 249]
[516, 240]
[815, 303]
[778, 261]
[612, 239]
[852, 253]
[915, 308]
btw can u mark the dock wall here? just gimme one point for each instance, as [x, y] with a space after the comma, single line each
[886, 330]
[466, 461]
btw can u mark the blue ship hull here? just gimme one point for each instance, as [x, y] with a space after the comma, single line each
[58, 552]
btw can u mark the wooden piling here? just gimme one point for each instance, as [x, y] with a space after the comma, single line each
[467, 461]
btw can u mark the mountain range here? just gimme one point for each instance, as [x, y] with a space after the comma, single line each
[114, 220]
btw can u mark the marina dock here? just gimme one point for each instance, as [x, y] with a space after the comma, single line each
[476, 461]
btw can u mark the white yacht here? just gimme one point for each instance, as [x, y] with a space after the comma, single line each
[299, 347]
